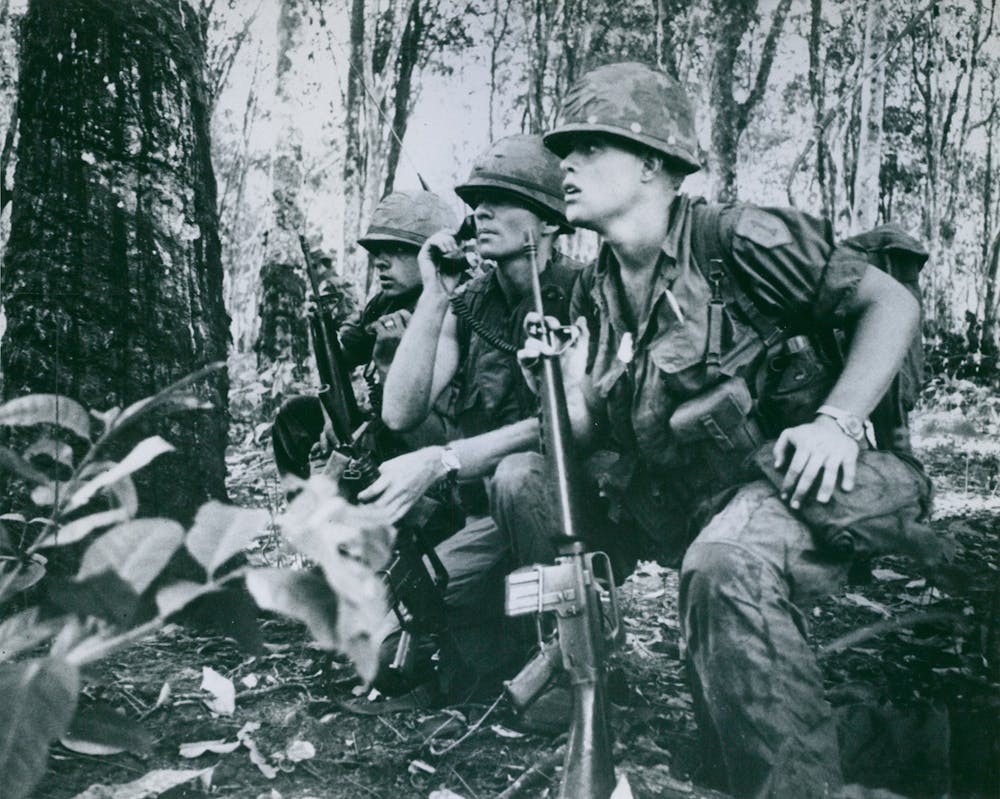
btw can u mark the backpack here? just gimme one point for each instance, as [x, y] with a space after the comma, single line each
[887, 247]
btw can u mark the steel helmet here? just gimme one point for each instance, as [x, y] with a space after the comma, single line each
[634, 102]
[407, 217]
[520, 166]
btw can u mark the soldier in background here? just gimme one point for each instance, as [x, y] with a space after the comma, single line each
[400, 224]
[461, 344]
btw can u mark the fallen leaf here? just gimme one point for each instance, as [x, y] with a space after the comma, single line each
[915, 584]
[865, 602]
[887, 575]
[503, 732]
[416, 766]
[622, 790]
[164, 696]
[221, 688]
[444, 793]
[92, 748]
[249, 680]
[149, 786]
[198, 748]
[297, 751]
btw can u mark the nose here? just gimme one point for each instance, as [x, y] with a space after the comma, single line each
[566, 164]
[484, 210]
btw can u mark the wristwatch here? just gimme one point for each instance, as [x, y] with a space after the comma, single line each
[451, 463]
[850, 424]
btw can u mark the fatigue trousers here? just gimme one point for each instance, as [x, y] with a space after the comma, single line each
[746, 582]
[481, 645]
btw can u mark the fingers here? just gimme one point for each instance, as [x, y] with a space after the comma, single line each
[375, 490]
[794, 471]
[781, 448]
[830, 471]
[849, 468]
[808, 476]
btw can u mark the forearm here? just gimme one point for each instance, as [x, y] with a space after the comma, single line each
[407, 396]
[480, 454]
[881, 338]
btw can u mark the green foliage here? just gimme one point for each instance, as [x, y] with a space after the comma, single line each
[121, 592]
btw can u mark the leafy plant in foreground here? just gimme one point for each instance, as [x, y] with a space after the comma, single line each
[118, 595]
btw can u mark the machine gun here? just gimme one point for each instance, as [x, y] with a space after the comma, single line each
[414, 575]
[569, 590]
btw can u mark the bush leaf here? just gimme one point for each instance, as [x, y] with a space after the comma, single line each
[78, 529]
[12, 461]
[144, 452]
[46, 409]
[220, 531]
[38, 698]
[24, 631]
[137, 551]
[299, 595]
[175, 597]
[99, 723]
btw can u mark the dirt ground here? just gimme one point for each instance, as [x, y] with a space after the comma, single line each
[926, 657]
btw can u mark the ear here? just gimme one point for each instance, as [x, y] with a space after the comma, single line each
[549, 230]
[652, 165]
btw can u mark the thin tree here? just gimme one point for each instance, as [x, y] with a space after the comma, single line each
[730, 116]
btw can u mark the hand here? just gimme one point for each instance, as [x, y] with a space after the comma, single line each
[437, 245]
[388, 331]
[821, 450]
[572, 342]
[324, 447]
[403, 480]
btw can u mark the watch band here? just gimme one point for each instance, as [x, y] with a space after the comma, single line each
[451, 462]
[851, 425]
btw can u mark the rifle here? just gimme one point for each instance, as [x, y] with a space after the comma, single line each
[568, 589]
[415, 577]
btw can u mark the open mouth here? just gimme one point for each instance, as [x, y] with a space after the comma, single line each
[569, 190]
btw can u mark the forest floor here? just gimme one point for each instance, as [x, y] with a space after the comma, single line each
[924, 660]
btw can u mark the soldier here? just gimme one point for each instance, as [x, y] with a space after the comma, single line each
[462, 342]
[400, 224]
[698, 347]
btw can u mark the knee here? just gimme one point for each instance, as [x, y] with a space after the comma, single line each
[517, 472]
[717, 571]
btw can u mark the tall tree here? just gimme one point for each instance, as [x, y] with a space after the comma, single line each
[730, 116]
[864, 208]
[112, 282]
[387, 45]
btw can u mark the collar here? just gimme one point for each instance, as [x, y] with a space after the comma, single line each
[675, 254]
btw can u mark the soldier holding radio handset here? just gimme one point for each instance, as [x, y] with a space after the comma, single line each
[461, 344]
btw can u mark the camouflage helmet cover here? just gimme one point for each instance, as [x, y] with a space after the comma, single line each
[407, 217]
[634, 102]
[520, 166]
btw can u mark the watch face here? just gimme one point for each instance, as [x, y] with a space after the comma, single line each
[853, 426]
[450, 460]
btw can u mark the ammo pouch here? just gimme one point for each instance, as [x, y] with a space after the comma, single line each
[886, 512]
[795, 381]
[716, 432]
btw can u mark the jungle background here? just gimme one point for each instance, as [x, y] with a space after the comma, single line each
[160, 159]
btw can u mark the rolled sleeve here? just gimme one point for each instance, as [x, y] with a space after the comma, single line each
[787, 263]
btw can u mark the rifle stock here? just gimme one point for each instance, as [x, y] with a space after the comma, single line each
[569, 589]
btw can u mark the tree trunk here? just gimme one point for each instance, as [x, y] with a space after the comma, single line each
[409, 52]
[730, 118]
[864, 209]
[113, 280]
[282, 335]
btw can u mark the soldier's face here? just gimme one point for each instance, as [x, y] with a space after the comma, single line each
[600, 182]
[397, 269]
[501, 223]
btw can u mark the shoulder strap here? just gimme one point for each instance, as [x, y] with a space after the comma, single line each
[712, 248]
